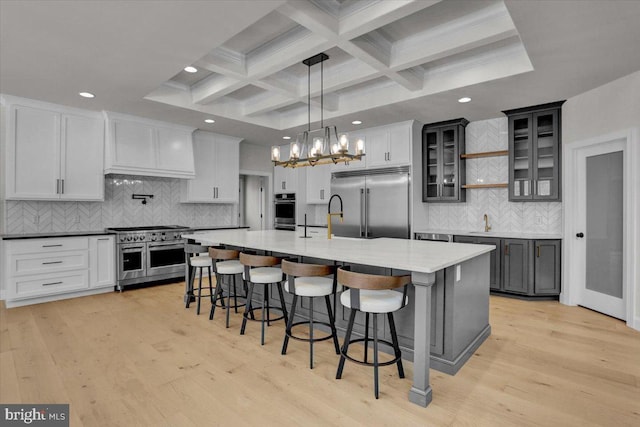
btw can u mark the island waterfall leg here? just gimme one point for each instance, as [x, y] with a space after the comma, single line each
[420, 392]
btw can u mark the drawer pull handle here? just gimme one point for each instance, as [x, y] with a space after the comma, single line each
[52, 262]
[52, 283]
[104, 238]
[51, 246]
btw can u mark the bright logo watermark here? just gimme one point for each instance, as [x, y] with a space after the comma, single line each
[54, 415]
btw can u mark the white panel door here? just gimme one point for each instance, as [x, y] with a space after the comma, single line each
[82, 156]
[33, 161]
[318, 184]
[134, 144]
[227, 171]
[377, 148]
[600, 228]
[175, 150]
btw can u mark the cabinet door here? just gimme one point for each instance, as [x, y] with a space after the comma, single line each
[318, 184]
[102, 265]
[227, 171]
[175, 150]
[520, 157]
[33, 154]
[377, 148]
[133, 145]
[494, 271]
[82, 155]
[546, 155]
[285, 180]
[201, 188]
[547, 267]
[430, 180]
[399, 146]
[449, 184]
[516, 266]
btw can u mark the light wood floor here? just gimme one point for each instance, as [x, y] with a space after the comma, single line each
[140, 358]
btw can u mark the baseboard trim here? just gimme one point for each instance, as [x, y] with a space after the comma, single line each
[452, 367]
[49, 298]
[635, 324]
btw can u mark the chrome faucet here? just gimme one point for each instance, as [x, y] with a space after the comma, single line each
[330, 214]
[487, 227]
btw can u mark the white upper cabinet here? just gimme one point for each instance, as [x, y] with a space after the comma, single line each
[52, 152]
[285, 180]
[138, 146]
[318, 184]
[389, 146]
[217, 167]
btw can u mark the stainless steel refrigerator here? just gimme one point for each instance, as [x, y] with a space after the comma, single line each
[375, 203]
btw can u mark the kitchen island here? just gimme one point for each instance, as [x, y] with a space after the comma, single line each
[464, 267]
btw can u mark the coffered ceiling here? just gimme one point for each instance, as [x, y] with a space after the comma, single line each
[390, 60]
[380, 52]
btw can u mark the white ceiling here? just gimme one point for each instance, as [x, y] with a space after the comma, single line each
[389, 60]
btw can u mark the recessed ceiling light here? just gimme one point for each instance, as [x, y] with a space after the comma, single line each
[464, 99]
[356, 122]
[191, 69]
[286, 137]
[87, 95]
[209, 121]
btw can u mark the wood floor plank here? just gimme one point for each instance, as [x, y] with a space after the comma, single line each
[140, 358]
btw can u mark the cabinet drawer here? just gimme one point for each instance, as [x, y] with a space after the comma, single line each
[23, 264]
[47, 284]
[47, 245]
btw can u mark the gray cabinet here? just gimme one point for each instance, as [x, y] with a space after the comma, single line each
[516, 266]
[443, 174]
[547, 267]
[534, 152]
[495, 270]
[522, 266]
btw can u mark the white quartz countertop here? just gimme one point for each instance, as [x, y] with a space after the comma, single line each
[411, 255]
[498, 234]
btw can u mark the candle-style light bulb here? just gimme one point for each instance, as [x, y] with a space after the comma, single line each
[275, 153]
[359, 146]
[344, 142]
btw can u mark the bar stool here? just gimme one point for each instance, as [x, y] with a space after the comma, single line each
[372, 294]
[262, 270]
[310, 280]
[226, 264]
[198, 258]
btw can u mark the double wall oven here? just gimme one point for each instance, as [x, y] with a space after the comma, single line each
[285, 218]
[147, 254]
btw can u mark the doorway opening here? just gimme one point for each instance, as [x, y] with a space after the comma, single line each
[253, 210]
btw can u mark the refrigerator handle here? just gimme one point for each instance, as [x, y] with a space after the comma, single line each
[361, 210]
[366, 213]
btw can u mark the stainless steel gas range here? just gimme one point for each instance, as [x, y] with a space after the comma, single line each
[147, 254]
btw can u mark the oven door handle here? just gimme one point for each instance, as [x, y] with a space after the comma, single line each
[132, 249]
[165, 247]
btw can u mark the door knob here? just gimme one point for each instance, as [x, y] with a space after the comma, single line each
[580, 235]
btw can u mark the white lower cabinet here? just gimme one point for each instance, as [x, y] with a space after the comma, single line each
[39, 270]
[102, 261]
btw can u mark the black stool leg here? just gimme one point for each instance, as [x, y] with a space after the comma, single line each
[215, 298]
[289, 324]
[190, 291]
[228, 299]
[267, 293]
[345, 346]
[375, 354]
[247, 308]
[265, 299]
[396, 346]
[235, 294]
[332, 322]
[310, 332]
[366, 337]
[211, 285]
[284, 306]
[199, 291]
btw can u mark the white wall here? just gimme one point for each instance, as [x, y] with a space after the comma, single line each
[255, 157]
[610, 108]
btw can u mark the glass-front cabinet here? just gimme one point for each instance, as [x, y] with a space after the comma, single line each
[443, 174]
[534, 152]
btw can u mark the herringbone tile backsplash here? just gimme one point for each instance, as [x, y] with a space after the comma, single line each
[537, 217]
[118, 209]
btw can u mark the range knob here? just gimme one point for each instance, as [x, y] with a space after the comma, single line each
[128, 238]
[153, 237]
[122, 238]
[163, 237]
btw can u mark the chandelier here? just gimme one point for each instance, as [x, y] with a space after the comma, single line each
[320, 146]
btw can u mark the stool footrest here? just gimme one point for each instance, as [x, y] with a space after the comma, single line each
[259, 319]
[362, 362]
[290, 335]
